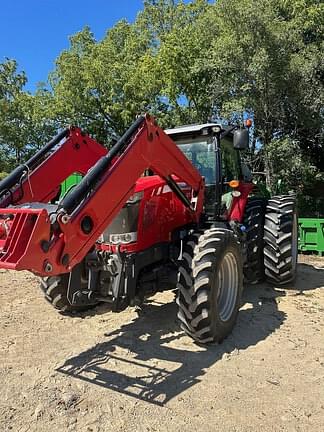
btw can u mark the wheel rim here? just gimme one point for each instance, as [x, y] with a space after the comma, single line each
[228, 282]
[294, 245]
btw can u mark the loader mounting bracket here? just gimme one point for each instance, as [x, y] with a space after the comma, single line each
[76, 295]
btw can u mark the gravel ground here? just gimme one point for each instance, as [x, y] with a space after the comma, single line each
[135, 371]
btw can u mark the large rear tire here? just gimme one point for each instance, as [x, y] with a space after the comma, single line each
[281, 240]
[210, 285]
[55, 291]
[254, 223]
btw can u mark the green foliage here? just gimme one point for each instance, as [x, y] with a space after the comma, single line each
[24, 122]
[267, 61]
[183, 34]
[259, 61]
[3, 175]
[295, 175]
[11, 84]
[291, 170]
[113, 79]
[145, 66]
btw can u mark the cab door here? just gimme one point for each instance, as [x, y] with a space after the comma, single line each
[231, 170]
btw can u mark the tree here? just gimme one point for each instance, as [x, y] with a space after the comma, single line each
[103, 86]
[150, 65]
[11, 84]
[181, 35]
[184, 60]
[24, 123]
[260, 59]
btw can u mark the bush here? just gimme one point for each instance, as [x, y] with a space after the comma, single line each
[291, 170]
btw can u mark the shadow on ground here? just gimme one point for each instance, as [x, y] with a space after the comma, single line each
[151, 359]
[129, 361]
[309, 277]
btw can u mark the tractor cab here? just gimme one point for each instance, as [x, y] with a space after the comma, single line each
[214, 151]
[196, 142]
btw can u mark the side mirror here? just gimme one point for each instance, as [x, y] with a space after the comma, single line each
[241, 139]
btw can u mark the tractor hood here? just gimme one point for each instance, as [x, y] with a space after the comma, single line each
[144, 183]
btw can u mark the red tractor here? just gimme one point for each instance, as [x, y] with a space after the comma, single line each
[161, 210]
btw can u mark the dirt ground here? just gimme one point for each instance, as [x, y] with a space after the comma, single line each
[139, 372]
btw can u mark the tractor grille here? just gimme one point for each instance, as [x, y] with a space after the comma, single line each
[125, 222]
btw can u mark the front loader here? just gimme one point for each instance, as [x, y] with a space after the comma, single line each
[161, 210]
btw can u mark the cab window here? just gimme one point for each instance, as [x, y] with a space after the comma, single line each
[230, 161]
[231, 170]
[201, 154]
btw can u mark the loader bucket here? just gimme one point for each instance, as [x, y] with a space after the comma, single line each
[22, 231]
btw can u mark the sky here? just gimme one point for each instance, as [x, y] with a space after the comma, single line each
[34, 32]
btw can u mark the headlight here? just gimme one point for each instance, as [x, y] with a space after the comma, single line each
[123, 238]
[133, 199]
[114, 238]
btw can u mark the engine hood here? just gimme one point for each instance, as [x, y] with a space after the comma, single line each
[144, 183]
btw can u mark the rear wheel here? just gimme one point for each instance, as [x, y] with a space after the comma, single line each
[254, 222]
[55, 291]
[281, 240]
[210, 285]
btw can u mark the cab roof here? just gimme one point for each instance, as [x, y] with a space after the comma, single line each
[191, 129]
[196, 130]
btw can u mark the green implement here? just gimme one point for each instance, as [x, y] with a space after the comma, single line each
[311, 235]
[69, 183]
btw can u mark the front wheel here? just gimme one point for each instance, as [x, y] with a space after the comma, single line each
[55, 291]
[210, 285]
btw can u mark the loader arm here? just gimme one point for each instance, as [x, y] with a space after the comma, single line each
[39, 179]
[52, 241]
